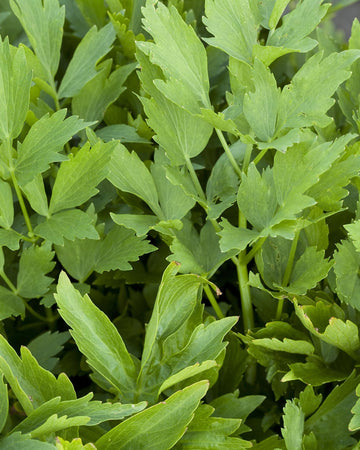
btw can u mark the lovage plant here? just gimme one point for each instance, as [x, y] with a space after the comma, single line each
[179, 225]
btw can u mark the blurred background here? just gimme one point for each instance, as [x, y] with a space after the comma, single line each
[345, 16]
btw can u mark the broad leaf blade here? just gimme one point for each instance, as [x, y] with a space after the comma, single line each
[96, 337]
[161, 426]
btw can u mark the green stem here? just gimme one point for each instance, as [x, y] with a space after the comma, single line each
[228, 152]
[8, 282]
[255, 249]
[34, 313]
[243, 277]
[195, 180]
[23, 237]
[213, 302]
[22, 204]
[287, 274]
[260, 156]
[247, 157]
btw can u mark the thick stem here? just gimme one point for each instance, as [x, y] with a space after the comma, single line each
[213, 302]
[255, 249]
[260, 156]
[195, 180]
[228, 152]
[287, 274]
[8, 282]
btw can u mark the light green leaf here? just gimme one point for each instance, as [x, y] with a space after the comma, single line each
[186, 373]
[36, 195]
[141, 224]
[293, 426]
[77, 178]
[230, 405]
[94, 11]
[233, 25]
[308, 270]
[71, 224]
[128, 173]
[182, 134]
[43, 143]
[10, 239]
[43, 23]
[297, 25]
[45, 346]
[97, 338]
[346, 268]
[125, 134]
[10, 304]
[341, 334]
[354, 424]
[277, 12]
[15, 82]
[6, 205]
[35, 263]
[287, 345]
[265, 98]
[207, 432]
[4, 402]
[100, 92]
[297, 108]
[179, 53]
[17, 440]
[309, 401]
[160, 426]
[232, 237]
[315, 373]
[354, 232]
[175, 204]
[81, 69]
[31, 384]
[90, 412]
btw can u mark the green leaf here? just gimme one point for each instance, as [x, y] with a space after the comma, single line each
[77, 178]
[198, 253]
[17, 440]
[97, 338]
[179, 53]
[230, 405]
[297, 108]
[45, 346]
[15, 82]
[293, 426]
[124, 133]
[354, 424]
[266, 98]
[335, 414]
[346, 268]
[186, 373]
[71, 224]
[308, 270]
[161, 426]
[81, 69]
[4, 402]
[43, 23]
[100, 92]
[141, 224]
[304, 19]
[35, 263]
[36, 195]
[10, 239]
[10, 304]
[43, 143]
[233, 26]
[6, 205]
[315, 373]
[55, 414]
[206, 432]
[287, 345]
[182, 134]
[309, 401]
[93, 11]
[232, 237]
[354, 233]
[343, 335]
[31, 384]
[129, 173]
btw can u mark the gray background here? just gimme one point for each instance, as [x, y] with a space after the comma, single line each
[345, 17]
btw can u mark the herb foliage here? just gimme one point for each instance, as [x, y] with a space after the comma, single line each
[179, 225]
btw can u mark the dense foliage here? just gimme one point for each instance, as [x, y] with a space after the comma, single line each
[179, 225]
